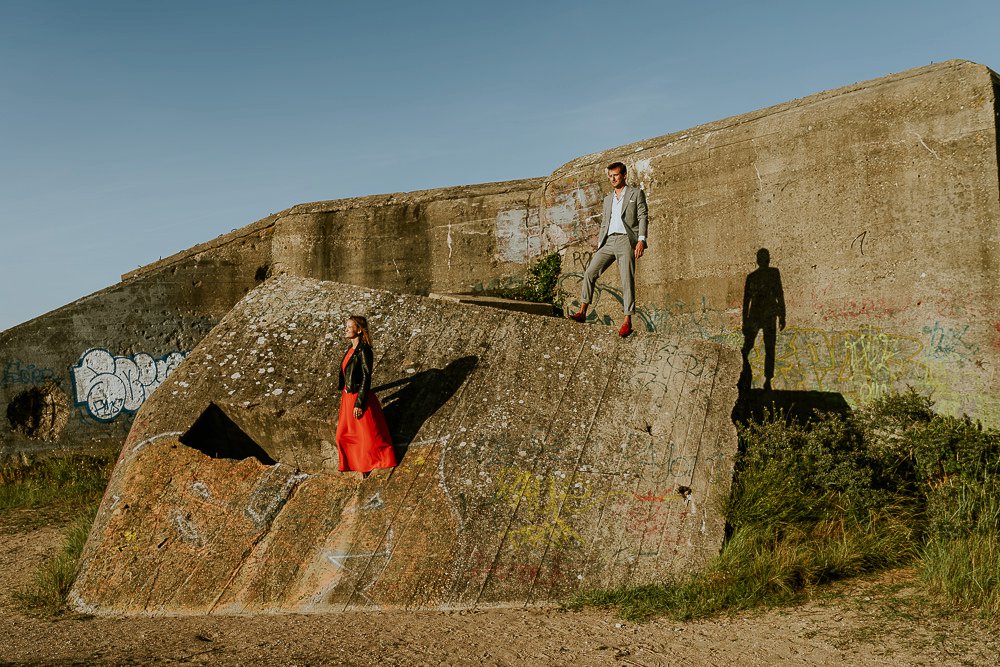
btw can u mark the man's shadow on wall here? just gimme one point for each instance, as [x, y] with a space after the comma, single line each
[420, 396]
[764, 312]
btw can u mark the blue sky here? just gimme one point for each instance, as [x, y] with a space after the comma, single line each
[132, 130]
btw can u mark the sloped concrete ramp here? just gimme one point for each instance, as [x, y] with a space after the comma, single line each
[539, 457]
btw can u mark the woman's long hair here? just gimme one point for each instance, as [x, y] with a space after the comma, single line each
[361, 322]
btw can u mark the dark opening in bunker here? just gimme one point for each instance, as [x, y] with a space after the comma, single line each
[215, 434]
[40, 413]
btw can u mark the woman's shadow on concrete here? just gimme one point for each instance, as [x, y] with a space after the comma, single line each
[420, 396]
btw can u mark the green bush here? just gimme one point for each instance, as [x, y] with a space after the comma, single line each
[540, 284]
[891, 484]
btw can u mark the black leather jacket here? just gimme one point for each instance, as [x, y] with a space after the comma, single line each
[357, 377]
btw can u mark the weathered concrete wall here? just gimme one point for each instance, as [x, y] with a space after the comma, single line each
[446, 240]
[75, 377]
[878, 203]
[539, 456]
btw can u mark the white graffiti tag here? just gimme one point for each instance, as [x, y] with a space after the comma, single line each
[107, 384]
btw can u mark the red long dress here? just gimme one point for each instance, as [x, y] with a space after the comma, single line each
[363, 444]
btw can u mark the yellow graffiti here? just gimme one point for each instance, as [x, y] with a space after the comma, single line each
[864, 363]
[543, 498]
[551, 502]
[129, 537]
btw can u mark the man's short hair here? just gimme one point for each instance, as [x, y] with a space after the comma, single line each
[618, 165]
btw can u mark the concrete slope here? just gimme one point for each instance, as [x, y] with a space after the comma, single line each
[539, 457]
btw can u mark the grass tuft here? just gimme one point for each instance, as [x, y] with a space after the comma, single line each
[46, 595]
[961, 559]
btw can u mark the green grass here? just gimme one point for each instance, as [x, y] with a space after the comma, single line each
[777, 563]
[53, 579]
[71, 480]
[891, 485]
[961, 561]
[70, 485]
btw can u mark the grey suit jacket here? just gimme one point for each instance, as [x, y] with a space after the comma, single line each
[634, 215]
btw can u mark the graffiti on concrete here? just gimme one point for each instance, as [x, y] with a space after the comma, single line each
[854, 309]
[549, 575]
[653, 516]
[106, 385]
[649, 378]
[865, 363]
[671, 318]
[949, 342]
[552, 503]
[862, 363]
[18, 372]
[525, 233]
[271, 492]
[555, 502]
[345, 563]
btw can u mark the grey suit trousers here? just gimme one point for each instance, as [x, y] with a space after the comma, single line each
[616, 248]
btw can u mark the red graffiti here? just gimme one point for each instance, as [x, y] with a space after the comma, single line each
[542, 575]
[851, 309]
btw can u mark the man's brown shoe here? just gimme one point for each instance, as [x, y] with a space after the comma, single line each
[626, 329]
[580, 316]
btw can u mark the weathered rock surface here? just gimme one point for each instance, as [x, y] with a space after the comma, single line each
[539, 457]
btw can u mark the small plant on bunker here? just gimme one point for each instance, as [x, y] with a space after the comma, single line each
[538, 286]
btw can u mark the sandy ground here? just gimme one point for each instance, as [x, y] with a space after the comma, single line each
[875, 622]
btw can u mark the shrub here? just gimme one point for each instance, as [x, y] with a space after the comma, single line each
[540, 284]
[891, 484]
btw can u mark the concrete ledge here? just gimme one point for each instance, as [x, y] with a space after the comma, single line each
[531, 307]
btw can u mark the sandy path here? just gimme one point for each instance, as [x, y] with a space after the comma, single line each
[872, 623]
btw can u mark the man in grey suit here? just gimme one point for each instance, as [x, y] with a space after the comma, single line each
[622, 239]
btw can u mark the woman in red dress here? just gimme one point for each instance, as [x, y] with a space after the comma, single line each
[363, 440]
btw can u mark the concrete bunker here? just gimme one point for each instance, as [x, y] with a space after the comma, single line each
[878, 201]
[541, 457]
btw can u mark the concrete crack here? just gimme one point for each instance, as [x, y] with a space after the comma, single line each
[929, 149]
[449, 246]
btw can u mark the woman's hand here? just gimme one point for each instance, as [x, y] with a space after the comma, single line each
[357, 413]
